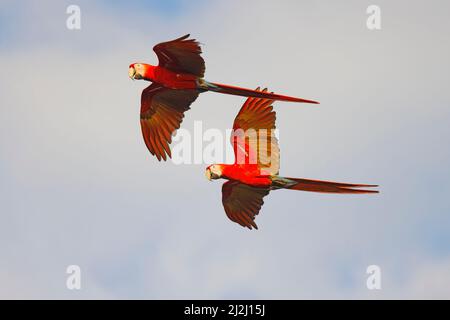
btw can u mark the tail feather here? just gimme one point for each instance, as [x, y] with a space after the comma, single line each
[326, 186]
[238, 91]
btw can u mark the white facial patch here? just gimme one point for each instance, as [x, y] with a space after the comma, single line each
[216, 170]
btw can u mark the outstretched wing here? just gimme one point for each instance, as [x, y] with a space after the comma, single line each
[181, 55]
[242, 202]
[253, 137]
[162, 111]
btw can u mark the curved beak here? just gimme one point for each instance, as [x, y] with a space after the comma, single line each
[208, 174]
[131, 72]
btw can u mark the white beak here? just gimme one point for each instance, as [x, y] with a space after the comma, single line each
[208, 174]
[131, 73]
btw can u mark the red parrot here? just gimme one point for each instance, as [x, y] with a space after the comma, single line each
[257, 161]
[176, 83]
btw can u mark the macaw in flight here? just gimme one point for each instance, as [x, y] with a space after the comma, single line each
[176, 83]
[257, 161]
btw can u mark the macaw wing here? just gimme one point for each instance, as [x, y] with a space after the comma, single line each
[242, 202]
[253, 137]
[181, 55]
[162, 111]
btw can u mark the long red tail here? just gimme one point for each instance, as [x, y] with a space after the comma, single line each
[238, 91]
[324, 186]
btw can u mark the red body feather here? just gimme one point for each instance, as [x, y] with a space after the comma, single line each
[170, 79]
[250, 174]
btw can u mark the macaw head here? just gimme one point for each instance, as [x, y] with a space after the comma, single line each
[214, 171]
[137, 70]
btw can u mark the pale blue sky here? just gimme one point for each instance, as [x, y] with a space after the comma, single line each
[79, 187]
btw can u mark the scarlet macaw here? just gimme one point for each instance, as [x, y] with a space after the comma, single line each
[249, 181]
[176, 83]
